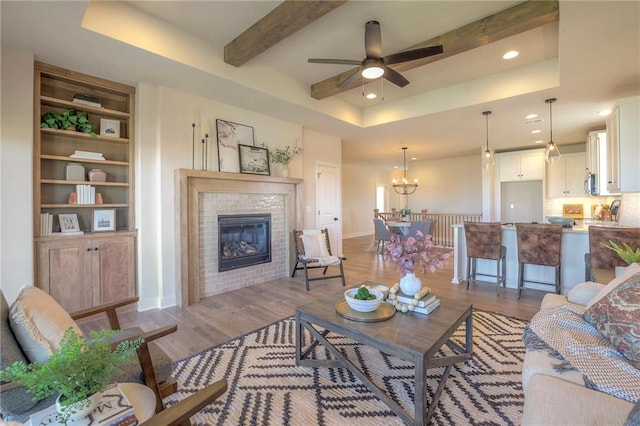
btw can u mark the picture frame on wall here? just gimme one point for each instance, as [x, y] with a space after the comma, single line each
[104, 220]
[230, 135]
[68, 223]
[109, 127]
[253, 160]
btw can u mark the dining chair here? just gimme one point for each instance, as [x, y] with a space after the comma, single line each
[423, 226]
[382, 234]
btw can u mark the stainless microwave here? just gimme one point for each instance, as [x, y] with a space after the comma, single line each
[591, 184]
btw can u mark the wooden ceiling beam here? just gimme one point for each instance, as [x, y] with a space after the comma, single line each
[289, 17]
[515, 20]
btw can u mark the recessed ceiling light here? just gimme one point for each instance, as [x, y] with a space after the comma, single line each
[530, 116]
[371, 96]
[538, 141]
[536, 131]
[604, 112]
[414, 158]
[395, 167]
[510, 54]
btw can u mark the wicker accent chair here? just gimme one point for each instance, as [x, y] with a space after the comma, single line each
[307, 260]
[153, 370]
[539, 244]
[484, 241]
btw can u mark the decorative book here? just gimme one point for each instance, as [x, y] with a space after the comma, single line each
[114, 410]
[426, 300]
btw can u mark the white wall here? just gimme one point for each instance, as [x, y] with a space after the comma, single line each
[359, 198]
[16, 181]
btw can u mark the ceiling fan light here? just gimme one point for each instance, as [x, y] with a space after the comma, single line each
[372, 71]
[371, 96]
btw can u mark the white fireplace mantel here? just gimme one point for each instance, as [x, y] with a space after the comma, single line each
[189, 185]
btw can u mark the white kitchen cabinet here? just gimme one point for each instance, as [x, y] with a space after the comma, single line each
[623, 146]
[519, 166]
[565, 177]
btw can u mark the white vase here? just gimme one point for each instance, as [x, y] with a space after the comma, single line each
[410, 284]
[284, 170]
[78, 410]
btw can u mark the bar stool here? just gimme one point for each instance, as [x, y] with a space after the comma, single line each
[601, 260]
[539, 244]
[484, 241]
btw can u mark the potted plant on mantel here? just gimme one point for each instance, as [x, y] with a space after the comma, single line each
[284, 156]
[79, 371]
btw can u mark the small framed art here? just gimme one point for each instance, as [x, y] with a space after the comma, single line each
[104, 220]
[68, 223]
[253, 160]
[110, 127]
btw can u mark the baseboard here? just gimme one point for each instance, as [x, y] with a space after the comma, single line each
[357, 234]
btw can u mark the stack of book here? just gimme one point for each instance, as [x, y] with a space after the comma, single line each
[86, 194]
[88, 155]
[114, 409]
[84, 99]
[46, 224]
[426, 305]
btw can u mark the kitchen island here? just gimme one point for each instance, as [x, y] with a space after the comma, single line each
[575, 244]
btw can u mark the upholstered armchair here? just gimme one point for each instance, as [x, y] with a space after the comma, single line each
[31, 328]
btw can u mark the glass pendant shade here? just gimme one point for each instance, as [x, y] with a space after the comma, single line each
[551, 152]
[487, 155]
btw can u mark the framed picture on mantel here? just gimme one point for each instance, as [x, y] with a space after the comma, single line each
[254, 160]
[230, 135]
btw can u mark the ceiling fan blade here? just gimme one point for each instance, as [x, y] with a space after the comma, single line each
[394, 76]
[412, 55]
[349, 80]
[372, 39]
[334, 61]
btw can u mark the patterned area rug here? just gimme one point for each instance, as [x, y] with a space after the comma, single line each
[266, 388]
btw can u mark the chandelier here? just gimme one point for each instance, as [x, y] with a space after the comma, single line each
[405, 188]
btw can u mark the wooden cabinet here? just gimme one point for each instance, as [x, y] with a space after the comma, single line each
[80, 273]
[623, 146]
[91, 268]
[519, 166]
[565, 177]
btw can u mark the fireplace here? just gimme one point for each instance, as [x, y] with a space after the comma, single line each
[244, 240]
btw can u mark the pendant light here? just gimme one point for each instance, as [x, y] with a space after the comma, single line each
[487, 156]
[551, 153]
[405, 188]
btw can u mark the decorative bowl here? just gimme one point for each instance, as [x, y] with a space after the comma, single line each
[363, 305]
[383, 288]
[560, 220]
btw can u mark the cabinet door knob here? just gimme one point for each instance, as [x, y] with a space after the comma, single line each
[88, 248]
[95, 248]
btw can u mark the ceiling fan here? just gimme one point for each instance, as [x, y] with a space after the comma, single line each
[374, 65]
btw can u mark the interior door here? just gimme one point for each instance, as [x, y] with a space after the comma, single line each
[328, 203]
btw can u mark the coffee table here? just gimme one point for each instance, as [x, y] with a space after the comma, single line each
[413, 337]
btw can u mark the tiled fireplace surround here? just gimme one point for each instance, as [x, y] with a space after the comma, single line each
[205, 195]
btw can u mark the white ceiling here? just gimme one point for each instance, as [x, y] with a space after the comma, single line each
[587, 60]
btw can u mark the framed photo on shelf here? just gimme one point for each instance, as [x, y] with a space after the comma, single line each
[109, 127]
[68, 223]
[104, 220]
[253, 160]
[230, 135]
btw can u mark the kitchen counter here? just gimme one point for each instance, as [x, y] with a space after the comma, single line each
[575, 244]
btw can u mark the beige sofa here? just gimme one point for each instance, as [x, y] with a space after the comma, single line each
[554, 398]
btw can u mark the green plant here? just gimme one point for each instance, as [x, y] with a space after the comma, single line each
[284, 156]
[405, 211]
[79, 368]
[626, 253]
[69, 118]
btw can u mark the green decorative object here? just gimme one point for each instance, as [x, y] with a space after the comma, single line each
[626, 253]
[284, 156]
[79, 368]
[70, 119]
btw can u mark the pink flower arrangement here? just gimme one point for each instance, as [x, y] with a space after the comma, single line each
[415, 252]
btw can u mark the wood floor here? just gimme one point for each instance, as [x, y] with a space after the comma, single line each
[222, 317]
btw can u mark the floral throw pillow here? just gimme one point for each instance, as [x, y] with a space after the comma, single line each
[617, 317]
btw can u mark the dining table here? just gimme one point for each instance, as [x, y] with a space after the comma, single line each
[399, 227]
